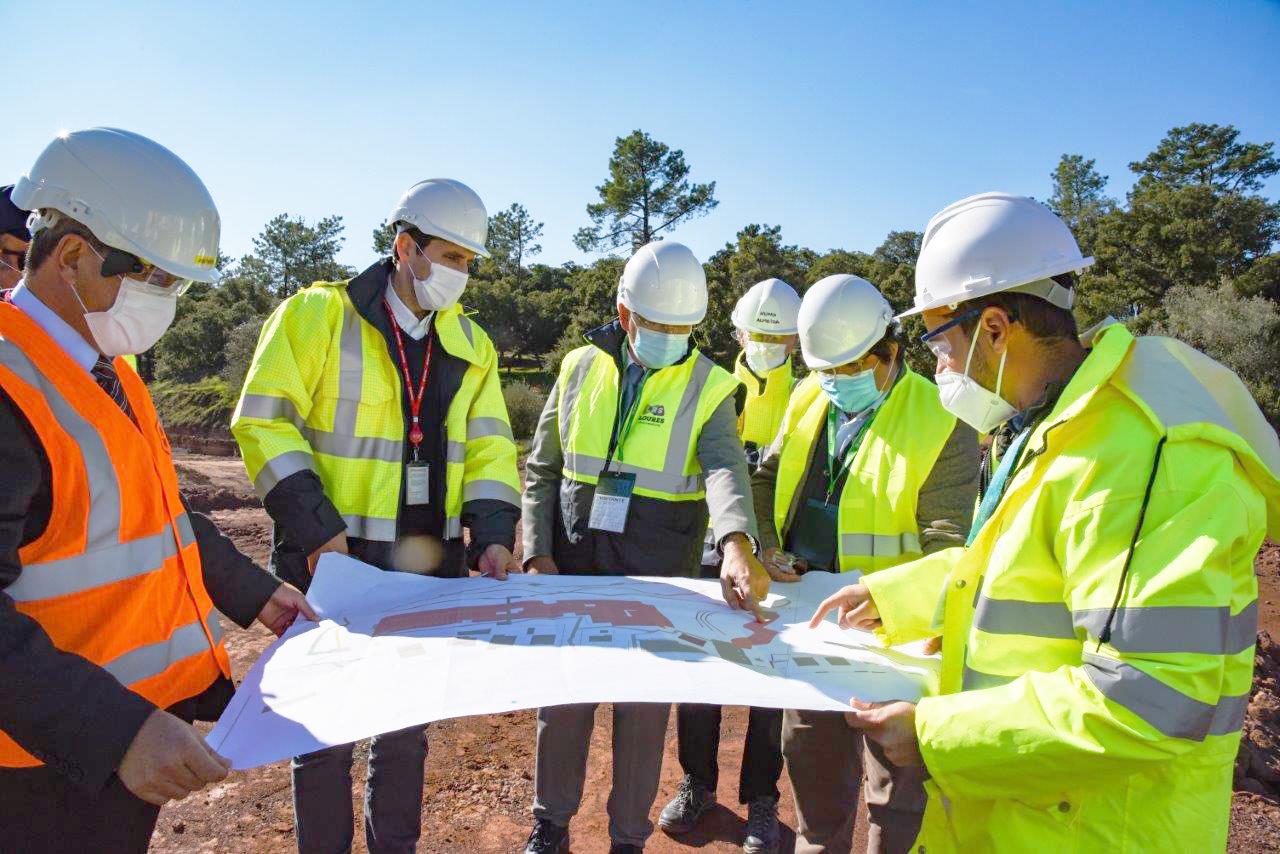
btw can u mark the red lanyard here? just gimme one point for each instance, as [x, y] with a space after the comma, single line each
[415, 400]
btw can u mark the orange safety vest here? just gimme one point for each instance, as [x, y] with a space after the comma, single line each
[115, 577]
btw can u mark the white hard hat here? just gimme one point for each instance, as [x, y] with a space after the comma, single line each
[841, 319]
[994, 242]
[443, 207]
[769, 307]
[132, 193]
[664, 282]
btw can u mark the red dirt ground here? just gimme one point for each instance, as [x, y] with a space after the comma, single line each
[479, 770]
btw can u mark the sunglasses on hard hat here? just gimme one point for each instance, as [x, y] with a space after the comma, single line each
[117, 262]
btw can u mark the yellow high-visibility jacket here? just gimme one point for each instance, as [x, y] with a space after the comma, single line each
[1045, 737]
[766, 401]
[323, 393]
[876, 520]
[659, 442]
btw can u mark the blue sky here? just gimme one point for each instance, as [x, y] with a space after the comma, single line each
[837, 121]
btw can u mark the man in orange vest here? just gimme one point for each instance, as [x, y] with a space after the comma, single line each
[109, 642]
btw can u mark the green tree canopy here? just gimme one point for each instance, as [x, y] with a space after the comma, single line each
[513, 236]
[1194, 217]
[647, 193]
[290, 254]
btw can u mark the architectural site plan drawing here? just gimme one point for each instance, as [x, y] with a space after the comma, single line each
[394, 649]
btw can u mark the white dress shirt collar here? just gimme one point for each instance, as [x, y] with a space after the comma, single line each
[81, 351]
[405, 319]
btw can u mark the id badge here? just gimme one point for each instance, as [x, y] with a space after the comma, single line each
[612, 501]
[417, 483]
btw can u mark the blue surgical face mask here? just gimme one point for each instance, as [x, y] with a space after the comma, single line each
[851, 392]
[659, 349]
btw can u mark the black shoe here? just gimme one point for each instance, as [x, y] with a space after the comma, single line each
[691, 802]
[547, 838]
[622, 848]
[762, 826]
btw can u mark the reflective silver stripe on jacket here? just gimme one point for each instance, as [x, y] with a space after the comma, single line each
[353, 447]
[479, 428]
[1015, 617]
[269, 408]
[105, 559]
[370, 527]
[104, 490]
[671, 479]
[1176, 628]
[976, 680]
[153, 659]
[591, 466]
[1166, 709]
[1211, 630]
[104, 565]
[350, 372]
[476, 490]
[572, 391]
[453, 528]
[279, 467]
[879, 545]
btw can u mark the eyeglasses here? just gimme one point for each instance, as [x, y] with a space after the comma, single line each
[935, 339]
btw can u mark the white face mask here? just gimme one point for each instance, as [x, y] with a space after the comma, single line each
[762, 357]
[966, 399]
[140, 315]
[441, 288]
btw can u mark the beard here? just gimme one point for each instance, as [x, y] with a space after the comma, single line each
[984, 368]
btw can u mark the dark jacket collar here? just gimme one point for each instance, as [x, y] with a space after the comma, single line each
[366, 291]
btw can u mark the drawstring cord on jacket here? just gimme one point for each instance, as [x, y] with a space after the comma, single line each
[1105, 635]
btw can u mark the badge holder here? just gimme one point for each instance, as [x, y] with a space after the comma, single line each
[612, 502]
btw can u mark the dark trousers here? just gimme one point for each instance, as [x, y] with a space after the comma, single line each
[827, 761]
[42, 811]
[698, 735]
[322, 810]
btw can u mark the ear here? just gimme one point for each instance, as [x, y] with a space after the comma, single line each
[403, 248]
[996, 322]
[624, 317]
[69, 255]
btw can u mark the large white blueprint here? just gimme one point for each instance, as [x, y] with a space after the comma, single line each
[393, 650]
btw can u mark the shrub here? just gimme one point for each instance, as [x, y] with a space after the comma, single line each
[1242, 332]
[203, 405]
[241, 342]
[524, 405]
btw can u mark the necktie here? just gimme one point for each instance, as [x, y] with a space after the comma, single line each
[105, 374]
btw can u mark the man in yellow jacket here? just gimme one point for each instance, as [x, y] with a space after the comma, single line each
[765, 321]
[1098, 629]
[867, 472]
[372, 422]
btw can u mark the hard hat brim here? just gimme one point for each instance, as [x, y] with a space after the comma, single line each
[995, 288]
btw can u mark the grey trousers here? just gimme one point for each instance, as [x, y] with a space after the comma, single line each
[564, 737]
[392, 795]
[826, 759]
